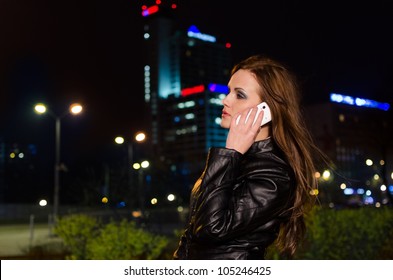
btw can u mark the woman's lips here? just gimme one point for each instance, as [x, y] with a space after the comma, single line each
[225, 114]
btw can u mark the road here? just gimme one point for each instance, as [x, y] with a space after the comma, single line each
[15, 240]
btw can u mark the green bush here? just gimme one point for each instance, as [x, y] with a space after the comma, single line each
[77, 231]
[347, 234]
[88, 239]
[124, 241]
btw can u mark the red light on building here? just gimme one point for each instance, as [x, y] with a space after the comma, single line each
[228, 45]
[192, 90]
[149, 11]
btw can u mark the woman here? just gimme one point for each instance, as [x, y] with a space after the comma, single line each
[255, 190]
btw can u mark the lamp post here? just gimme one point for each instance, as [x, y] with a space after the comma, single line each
[141, 190]
[74, 109]
[139, 137]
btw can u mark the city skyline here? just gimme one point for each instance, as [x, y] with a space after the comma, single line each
[91, 52]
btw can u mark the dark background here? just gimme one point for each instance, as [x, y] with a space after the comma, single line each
[91, 51]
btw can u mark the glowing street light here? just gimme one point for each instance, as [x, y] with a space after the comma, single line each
[139, 137]
[141, 191]
[74, 109]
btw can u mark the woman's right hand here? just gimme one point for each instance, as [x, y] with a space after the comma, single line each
[242, 134]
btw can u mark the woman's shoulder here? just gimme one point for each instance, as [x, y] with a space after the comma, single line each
[266, 158]
[266, 150]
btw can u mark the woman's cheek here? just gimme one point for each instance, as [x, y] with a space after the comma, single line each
[226, 122]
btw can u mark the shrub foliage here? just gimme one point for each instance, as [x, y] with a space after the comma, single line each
[346, 234]
[86, 238]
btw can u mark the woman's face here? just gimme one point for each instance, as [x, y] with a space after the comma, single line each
[243, 94]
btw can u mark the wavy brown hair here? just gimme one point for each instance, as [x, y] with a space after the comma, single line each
[279, 89]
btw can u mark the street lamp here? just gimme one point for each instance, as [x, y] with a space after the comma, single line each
[74, 109]
[139, 137]
[141, 190]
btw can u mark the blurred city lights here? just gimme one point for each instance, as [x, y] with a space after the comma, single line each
[40, 108]
[43, 202]
[368, 200]
[314, 192]
[154, 201]
[119, 140]
[145, 164]
[360, 191]
[136, 214]
[136, 166]
[121, 204]
[356, 101]
[349, 191]
[140, 137]
[171, 197]
[193, 32]
[75, 108]
[326, 175]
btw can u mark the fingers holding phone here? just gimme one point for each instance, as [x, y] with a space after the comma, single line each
[244, 130]
[262, 107]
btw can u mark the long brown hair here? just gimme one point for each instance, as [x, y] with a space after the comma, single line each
[279, 89]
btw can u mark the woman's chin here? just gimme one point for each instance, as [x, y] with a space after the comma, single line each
[225, 124]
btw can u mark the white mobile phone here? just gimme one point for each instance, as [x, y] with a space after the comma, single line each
[267, 117]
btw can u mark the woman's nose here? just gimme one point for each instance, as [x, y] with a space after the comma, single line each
[225, 101]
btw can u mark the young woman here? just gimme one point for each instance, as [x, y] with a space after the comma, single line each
[255, 190]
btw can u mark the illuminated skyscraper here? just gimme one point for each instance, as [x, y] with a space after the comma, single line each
[186, 72]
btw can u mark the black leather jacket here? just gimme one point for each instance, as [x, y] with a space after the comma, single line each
[237, 204]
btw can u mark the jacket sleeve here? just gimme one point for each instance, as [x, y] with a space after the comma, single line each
[227, 206]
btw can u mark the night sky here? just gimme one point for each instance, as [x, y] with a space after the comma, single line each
[91, 51]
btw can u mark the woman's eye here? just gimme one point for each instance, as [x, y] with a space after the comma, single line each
[240, 95]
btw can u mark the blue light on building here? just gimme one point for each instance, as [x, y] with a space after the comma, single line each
[357, 101]
[218, 88]
[193, 32]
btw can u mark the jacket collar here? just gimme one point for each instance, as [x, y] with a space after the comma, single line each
[265, 145]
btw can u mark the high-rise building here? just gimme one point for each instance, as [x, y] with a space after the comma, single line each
[186, 73]
[356, 133]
